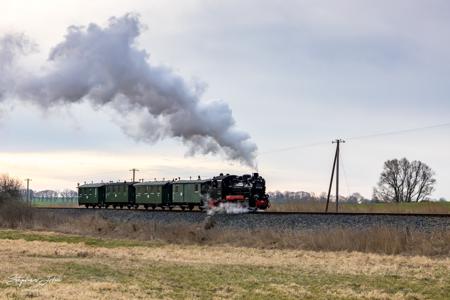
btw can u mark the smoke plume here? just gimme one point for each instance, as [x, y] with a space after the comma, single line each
[104, 66]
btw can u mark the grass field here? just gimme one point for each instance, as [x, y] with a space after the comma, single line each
[314, 206]
[87, 267]
[375, 239]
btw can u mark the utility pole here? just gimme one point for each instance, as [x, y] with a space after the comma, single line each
[28, 191]
[134, 173]
[335, 167]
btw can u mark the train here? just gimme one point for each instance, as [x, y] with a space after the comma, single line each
[248, 191]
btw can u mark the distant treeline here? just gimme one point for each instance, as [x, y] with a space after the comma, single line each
[49, 194]
[302, 196]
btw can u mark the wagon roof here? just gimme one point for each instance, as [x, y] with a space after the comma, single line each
[191, 181]
[92, 185]
[120, 182]
[145, 183]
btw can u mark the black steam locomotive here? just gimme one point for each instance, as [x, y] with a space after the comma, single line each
[247, 191]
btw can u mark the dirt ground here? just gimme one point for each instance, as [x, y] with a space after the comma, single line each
[46, 265]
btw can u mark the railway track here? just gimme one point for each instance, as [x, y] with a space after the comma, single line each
[261, 220]
[355, 214]
[261, 213]
[176, 210]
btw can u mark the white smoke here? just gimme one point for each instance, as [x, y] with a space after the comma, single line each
[12, 46]
[104, 66]
[223, 208]
[228, 208]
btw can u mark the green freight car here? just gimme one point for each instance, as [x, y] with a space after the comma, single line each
[120, 194]
[154, 194]
[92, 194]
[189, 193]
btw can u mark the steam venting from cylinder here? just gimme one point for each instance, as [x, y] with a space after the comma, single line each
[103, 65]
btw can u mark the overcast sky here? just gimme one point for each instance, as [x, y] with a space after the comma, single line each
[294, 73]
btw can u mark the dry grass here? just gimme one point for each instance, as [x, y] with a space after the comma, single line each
[14, 213]
[155, 271]
[387, 240]
[95, 258]
[314, 206]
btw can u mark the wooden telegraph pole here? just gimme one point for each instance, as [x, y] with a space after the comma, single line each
[335, 167]
[28, 192]
[134, 173]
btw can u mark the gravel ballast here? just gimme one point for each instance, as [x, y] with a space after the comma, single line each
[291, 221]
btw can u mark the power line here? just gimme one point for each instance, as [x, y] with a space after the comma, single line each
[375, 135]
[398, 131]
[345, 176]
[294, 148]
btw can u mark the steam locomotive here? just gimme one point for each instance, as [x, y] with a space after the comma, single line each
[248, 191]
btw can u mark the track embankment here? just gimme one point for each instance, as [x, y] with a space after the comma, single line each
[261, 220]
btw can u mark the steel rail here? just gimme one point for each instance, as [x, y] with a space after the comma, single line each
[441, 215]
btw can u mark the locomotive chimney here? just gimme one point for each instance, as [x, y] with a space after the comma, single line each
[255, 175]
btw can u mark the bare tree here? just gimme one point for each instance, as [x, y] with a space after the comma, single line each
[9, 188]
[13, 211]
[46, 194]
[68, 193]
[405, 181]
[355, 198]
